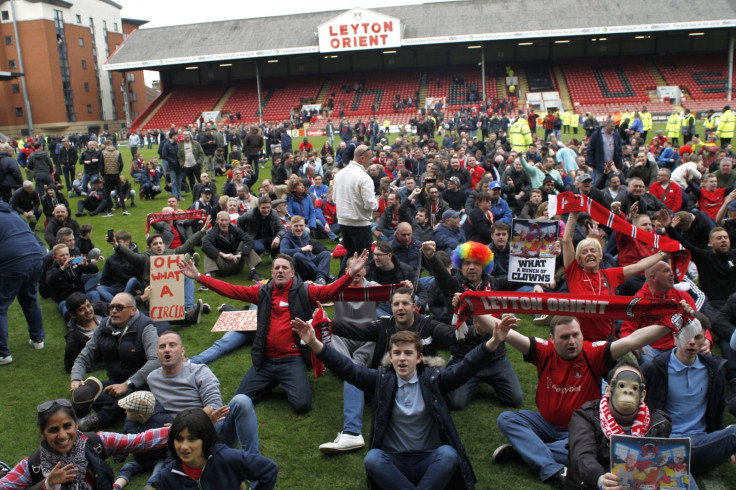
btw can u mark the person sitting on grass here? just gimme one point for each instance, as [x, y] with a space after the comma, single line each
[414, 443]
[70, 458]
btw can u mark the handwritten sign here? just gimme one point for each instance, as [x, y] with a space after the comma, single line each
[167, 288]
[241, 321]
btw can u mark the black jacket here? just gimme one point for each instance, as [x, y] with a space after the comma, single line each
[657, 376]
[400, 272]
[434, 384]
[590, 449]
[10, 175]
[215, 242]
[62, 283]
[249, 222]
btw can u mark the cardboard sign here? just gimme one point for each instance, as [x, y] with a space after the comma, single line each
[167, 288]
[651, 462]
[240, 321]
[530, 259]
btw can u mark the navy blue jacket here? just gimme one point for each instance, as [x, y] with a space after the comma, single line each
[225, 468]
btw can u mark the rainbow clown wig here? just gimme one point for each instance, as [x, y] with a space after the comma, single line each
[476, 251]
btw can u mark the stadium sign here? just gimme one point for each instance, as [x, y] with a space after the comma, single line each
[359, 29]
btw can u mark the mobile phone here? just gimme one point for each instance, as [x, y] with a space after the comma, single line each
[77, 260]
[110, 235]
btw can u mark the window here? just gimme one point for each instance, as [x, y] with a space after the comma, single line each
[5, 15]
[132, 96]
[79, 19]
[18, 112]
[81, 42]
[89, 108]
[115, 26]
[131, 77]
[15, 88]
[86, 86]
[12, 65]
[8, 40]
[84, 64]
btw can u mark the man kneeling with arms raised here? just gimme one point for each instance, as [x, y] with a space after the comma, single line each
[414, 443]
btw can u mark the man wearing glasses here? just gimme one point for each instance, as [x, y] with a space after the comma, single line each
[127, 342]
[355, 201]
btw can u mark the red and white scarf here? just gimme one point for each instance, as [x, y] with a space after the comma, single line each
[568, 202]
[198, 214]
[610, 427]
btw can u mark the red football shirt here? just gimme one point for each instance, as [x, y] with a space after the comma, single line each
[602, 283]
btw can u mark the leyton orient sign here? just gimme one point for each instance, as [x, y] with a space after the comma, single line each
[359, 29]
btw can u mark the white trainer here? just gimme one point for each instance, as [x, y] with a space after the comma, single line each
[342, 443]
[35, 345]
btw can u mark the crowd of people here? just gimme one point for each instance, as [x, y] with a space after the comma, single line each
[415, 222]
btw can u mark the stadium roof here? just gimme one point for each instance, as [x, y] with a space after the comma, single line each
[427, 24]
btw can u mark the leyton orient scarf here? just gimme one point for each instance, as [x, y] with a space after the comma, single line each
[323, 325]
[568, 202]
[657, 311]
[198, 214]
[609, 426]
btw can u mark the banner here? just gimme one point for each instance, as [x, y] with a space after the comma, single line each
[183, 214]
[239, 321]
[651, 462]
[167, 288]
[531, 259]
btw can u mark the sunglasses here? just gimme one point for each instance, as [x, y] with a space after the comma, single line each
[45, 406]
[119, 307]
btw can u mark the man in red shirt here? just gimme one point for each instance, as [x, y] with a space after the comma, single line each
[667, 191]
[570, 372]
[276, 351]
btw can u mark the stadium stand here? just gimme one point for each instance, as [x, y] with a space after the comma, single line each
[617, 82]
[703, 77]
[185, 104]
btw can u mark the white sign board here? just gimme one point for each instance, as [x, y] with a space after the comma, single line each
[359, 29]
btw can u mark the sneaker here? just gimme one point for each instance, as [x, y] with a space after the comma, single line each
[88, 392]
[505, 454]
[108, 215]
[6, 360]
[320, 281]
[542, 320]
[558, 480]
[206, 308]
[36, 345]
[254, 276]
[79, 215]
[195, 313]
[342, 443]
[90, 423]
[132, 205]
[195, 258]
[126, 212]
[202, 287]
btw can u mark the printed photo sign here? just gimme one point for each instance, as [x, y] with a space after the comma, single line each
[531, 260]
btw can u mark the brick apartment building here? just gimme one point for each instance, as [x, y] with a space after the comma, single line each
[62, 47]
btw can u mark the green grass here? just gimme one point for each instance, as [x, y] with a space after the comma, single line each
[290, 440]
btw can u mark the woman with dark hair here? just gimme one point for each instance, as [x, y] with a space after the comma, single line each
[202, 462]
[150, 180]
[326, 150]
[300, 203]
[479, 223]
[73, 459]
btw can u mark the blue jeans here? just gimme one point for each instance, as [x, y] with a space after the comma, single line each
[539, 443]
[426, 281]
[227, 343]
[311, 266]
[353, 399]
[41, 180]
[69, 175]
[240, 425]
[175, 177]
[426, 470]
[107, 293]
[21, 281]
[708, 451]
[188, 293]
[132, 468]
[289, 372]
[500, 375]
[261, 245]
[86, 178]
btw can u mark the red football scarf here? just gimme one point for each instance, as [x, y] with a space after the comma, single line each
[568, 202]
[609, 426]
[198, 214]
[578, 305]
[323, 325]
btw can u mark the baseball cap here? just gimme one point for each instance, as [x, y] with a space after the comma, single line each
[494, 185]
[139, 401]
[585, 177]
[455, 180]
[450, 213]
[206, 190]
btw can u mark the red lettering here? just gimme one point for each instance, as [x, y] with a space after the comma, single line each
[384, 38]
[346, 42]
[362, 41]
[158, 262]
[365, 26]
[354, 27]
[344, 30]
[173, 260]
[332, 32]
[388, 26]
[166, 291]
[376, 27]
[334, 43]
[373, 40]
